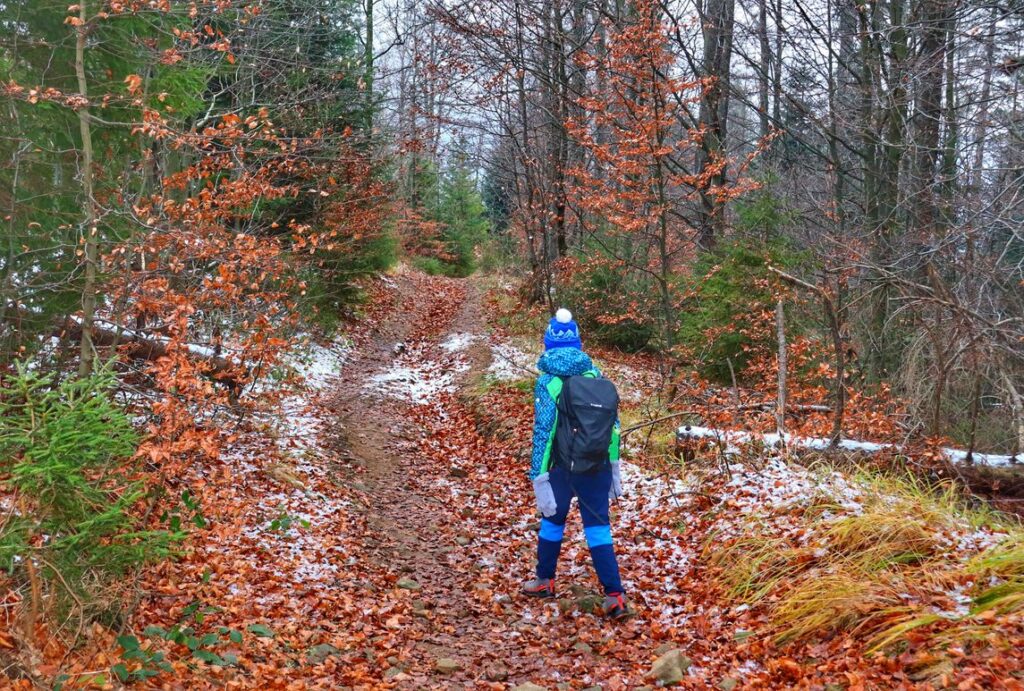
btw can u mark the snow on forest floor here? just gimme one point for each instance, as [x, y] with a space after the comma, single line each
[299, 421]
[509, 362]
[414, 379]
[295, 541]
[767, 492]
[291, 520]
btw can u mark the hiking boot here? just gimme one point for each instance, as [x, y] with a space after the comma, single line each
[540, 587]
[614, 606]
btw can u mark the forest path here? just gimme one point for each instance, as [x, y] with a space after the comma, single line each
[384, 541]
[450, 517]
[413, 533]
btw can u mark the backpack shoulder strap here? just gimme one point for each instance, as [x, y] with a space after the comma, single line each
[554, 387]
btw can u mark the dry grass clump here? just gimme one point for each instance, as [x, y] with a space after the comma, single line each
[998, 594]
[901, 522]
[843, 599]
[877, 538]
[1002, 568]
[753, 567]
[883, 568]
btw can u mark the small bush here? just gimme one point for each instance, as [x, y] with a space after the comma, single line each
[613, 306]
[331, 284]
[63, 448]
[723, 322]
[432, 266]
[500, 252]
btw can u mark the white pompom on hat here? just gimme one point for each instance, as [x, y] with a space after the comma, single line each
[563, 316]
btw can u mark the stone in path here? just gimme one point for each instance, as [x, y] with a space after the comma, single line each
[447, 665]
[670, 668]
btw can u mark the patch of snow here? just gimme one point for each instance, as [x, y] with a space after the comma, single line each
[749, 667]
[658, 543]
[319, 364]
[961, 603]
[414, 383]
[757, 495]
[989, 459]
[509, 363]
[458, 342]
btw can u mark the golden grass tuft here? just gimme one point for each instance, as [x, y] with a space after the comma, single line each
[752, 567]
[881, 571]
[1002, 568]
[842, 599]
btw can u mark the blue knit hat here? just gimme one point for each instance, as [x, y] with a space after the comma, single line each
[562, 331]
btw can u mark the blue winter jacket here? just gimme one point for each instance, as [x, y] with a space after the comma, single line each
[556, 362]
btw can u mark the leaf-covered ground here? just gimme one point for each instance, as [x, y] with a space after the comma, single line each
[381, 538]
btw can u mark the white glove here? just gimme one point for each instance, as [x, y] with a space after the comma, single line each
[546, 503]
[615, 491]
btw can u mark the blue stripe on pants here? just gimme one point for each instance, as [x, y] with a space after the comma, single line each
[598, 535]
[551, 531]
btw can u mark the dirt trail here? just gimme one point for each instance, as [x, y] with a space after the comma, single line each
[450, 527]
[455, 530]
[412, 534]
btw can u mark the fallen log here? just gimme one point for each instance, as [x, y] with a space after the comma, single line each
[730, 438]
[143, 347]
[767, 405]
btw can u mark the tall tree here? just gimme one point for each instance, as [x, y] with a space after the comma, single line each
[717, 23]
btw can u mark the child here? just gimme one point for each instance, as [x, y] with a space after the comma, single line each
[555, 484]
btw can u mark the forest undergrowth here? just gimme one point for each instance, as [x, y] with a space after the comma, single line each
[323, 543]
[273, 275]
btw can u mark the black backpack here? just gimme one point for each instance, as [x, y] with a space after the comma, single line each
[588, 408]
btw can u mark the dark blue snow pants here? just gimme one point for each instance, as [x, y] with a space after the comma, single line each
[591, 492]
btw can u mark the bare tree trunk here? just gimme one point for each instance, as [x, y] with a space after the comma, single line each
[7, 293]
[90, 230]
[146, 347]
[35, 587]
[714, 115]
[780, 402]
[368, 60]
[942, 364]
[975, 409]
[777, 73]
[765, 67]
[839, 349]
[833, 315]
[537, 286]
[935, 18]
[981, 124]
[884, 50]
[1016, 401]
